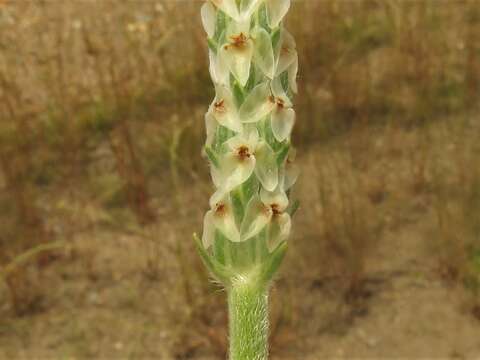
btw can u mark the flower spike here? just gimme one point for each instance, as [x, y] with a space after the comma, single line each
[253, 66]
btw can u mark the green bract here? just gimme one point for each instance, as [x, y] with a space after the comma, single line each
[253, 65]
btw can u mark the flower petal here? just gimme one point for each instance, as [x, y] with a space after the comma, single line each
[257, 105]
[238, 59]
[286, 52]
[208, 236]
[292, 171]
[266, 167]
[276, 10]
[229, 7]
[257, 216]
[218, 69]
[292, 75]
[236, 171]
[282, 121]
[248, 7]
[276, 197]
[279, 92]
[225, 223]
[279, 230]
[209, 16]
[264, 53]
[222, 215]
[224, 110]
[211, 127]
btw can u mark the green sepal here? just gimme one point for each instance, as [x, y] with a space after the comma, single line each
[276, 37]
[262, 18]
[249, 188]
[219, 271]
[212, 45]
[222, 134]
[212, 156]
[238, 204]
[283, 153]
[293, 207]
[252, 80]
[265, 131]
[237, 90]
[220, 245]
[271, 265]
[220, 26]
[286, 85]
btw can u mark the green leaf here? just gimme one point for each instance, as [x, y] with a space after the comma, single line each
[275, 37]
[237, 90]
[219, 271]
[212, 45]
[262, 18]
[220, 27]
[219, 247]
[271, 265]
[222, 135]
[283, 153]
[212, 156]
[238, 204]
[250, 188]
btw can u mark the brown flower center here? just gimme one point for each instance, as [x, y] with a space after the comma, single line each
[220, 106]
[243, 152]
[237, 41]
[220, 209]
[275, 209]
[280, 103]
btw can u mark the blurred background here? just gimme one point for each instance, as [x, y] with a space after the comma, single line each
[102, 182]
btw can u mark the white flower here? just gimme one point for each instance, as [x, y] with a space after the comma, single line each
[246, 154]
[218, 69]
[209, 16]
[289, 173]
[220, 217]
[211, 127]
[267, 210]
[263, 54]
[265, 100]
[238, 51]
[285, 52]
[229, 7]
[276, 10]
[223, 109]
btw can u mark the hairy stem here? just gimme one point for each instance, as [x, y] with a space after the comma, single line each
[248, 311]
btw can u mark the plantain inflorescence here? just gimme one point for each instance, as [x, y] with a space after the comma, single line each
[253, 66]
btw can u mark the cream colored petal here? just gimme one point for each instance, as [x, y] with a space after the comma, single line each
[292, 171]
[238, 60]
[218, 69]
[209, 16]
[279, 230]
[292, 75]
[229, 7]
[224, 110]
[266, 167]
[211, 127]
[276, 197]
[257, 216]
[236, 171]
[257, 105]
[282, 121]
[248, 7]
[208, 236]
[264, 53]
[276, 11]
